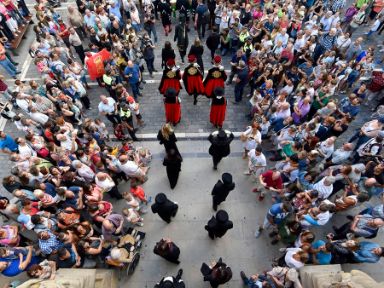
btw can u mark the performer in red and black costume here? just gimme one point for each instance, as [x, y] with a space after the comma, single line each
[172, 106]
[216, 77]
[218, 107]
[171, 77]
[193, 79]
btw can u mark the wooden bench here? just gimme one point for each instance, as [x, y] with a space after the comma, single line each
[23, 28]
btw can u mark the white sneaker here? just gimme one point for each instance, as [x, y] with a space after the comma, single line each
[258, 231]
[247, 173]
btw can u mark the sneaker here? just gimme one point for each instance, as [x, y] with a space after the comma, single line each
[247, 173]
[140, 224]
[350, 236]
[282, 250]
[255, 190]
[242, 275]
[261, 197]
[258, 232]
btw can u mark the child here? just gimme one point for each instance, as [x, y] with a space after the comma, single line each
[265, 124]
[133, 216]
[144, 156]
[139, 193]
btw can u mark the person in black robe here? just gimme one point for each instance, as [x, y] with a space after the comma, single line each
[164, 207]
[167, 137]
[220, 141]
[197, 49]
[173, 163]
[165, 14]
[221, 190]
[218, 273]
[219, 225]
[181, 36]
[172, 282]
[168, 250]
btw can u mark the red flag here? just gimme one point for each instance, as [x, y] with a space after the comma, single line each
[95, 64]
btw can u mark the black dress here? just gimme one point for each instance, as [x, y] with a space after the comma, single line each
[198, 52]
[173, 164]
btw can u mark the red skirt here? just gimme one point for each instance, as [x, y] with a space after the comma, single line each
[172, 112]
[170, 83]
[194, 85]
[217, 115]
[212, 84]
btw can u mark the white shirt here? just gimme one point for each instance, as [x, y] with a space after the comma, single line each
[130, 168]
[324, 191]
[326, 149]
[106, 184]
[107, 108]
[255, 160]
[39, 117]
[290, 261]
[340, 155]
[26, 151]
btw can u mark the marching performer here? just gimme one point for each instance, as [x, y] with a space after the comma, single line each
[193, 78]
[216, 77]
[171, 77]
[172, 107]
[218, 107]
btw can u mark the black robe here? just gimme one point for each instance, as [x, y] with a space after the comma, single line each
[218, 274]
[165, 210]
[219, 148]
[173, 165]
[216, 228]
[220, 192]
[169, 143]
[171, 253]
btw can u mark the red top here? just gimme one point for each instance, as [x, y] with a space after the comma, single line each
[267, 177]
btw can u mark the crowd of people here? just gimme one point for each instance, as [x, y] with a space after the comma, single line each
[307, 76]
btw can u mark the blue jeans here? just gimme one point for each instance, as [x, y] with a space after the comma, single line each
[135, 89]
[8, 66]
[149, 29]
[239, 89]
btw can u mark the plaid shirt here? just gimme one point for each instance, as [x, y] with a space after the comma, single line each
[49, 245]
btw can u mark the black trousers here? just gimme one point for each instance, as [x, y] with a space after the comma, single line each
[80, 51]
[86, 102]
[114, 193]
[114, 118]
[7, 32]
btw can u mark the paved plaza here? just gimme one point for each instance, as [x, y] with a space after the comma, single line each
[238, 248]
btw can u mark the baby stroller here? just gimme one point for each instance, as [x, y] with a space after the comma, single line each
[126, 255]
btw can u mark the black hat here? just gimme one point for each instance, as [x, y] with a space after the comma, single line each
[218, 91]
[222, 134]
[160, 198]
[222, 216]
[227, 178]
[170, 92]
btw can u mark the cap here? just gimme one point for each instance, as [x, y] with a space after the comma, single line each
[160, 198]
[222, 216]
[191, 58]
[218, 91]
[227, 178]
[170, 92]
[171, 62]
[217, 59]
